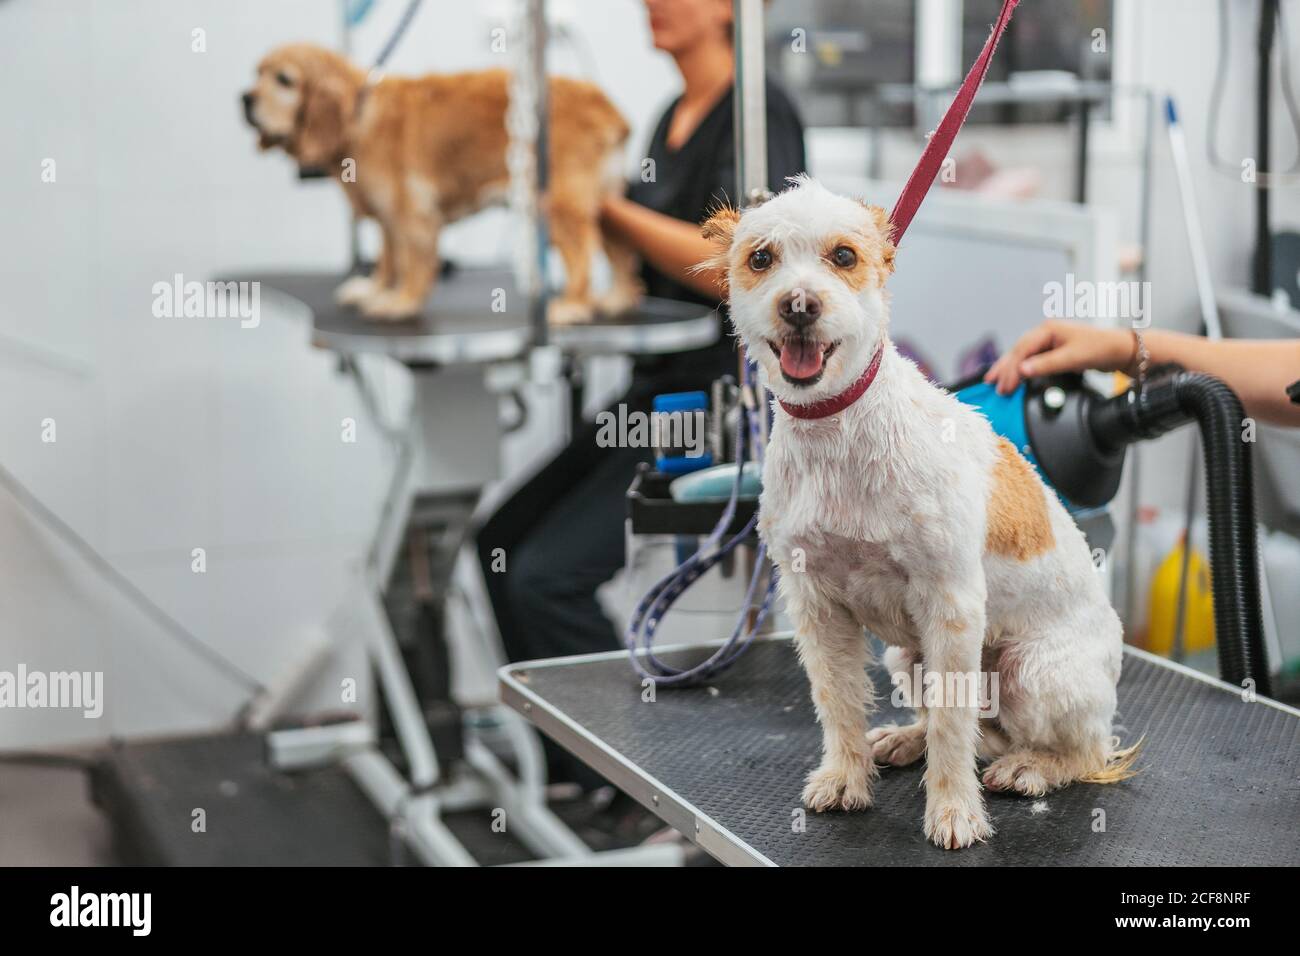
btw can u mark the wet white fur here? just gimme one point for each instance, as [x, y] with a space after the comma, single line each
[883, 508]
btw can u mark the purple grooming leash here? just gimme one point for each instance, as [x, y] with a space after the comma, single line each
[654, 606]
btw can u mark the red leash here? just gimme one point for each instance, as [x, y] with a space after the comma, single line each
[909, 200]
[918, 184]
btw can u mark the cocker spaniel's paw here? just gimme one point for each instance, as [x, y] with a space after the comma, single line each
[390, 307]
[840, 785]
[956, 823]
[355, 290]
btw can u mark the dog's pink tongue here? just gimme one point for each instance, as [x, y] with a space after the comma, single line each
[801, 358]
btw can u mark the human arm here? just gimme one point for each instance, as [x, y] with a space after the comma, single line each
[1258, 370]
[672, 246]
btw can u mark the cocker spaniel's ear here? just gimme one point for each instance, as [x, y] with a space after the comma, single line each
[326, 107]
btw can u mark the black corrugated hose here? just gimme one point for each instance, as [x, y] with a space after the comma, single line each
[1230, 502]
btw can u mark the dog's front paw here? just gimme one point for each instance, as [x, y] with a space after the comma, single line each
[840, 785]
[895, 745]
[954, 824]
[390, 307]
[355, 291]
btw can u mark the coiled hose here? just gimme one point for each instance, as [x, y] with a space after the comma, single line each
[1230, 501]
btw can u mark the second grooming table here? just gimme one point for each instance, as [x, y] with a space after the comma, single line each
[460, 325]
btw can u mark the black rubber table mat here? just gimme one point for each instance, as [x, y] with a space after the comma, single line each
[1219, 781]
[255, 816]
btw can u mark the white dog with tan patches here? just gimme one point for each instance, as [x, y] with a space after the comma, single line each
[915, 521]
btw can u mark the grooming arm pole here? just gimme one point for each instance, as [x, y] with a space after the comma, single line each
[536, 27]
[750, 113]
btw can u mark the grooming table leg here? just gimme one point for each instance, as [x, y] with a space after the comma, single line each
[444, 460]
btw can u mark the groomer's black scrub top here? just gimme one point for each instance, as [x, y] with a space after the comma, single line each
[689, 183]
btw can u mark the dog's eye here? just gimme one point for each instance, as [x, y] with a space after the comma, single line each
[284, 79]
[844, 257]
[760, 259]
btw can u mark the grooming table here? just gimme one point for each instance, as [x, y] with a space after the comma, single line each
[725, 764]
[459, 326]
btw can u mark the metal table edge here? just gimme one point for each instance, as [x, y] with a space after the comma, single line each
[697, 826]
[487, 347]
[660, 338]
[1206, 678]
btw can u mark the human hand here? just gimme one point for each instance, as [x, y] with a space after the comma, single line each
[1057, 346]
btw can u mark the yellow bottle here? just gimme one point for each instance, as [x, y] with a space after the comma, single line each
[1162, 614]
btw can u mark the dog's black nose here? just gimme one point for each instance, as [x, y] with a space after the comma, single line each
[248, 107]
[799, 307]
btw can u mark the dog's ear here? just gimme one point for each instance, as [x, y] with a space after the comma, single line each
[886, 230]
[719, 229]
[326, 106]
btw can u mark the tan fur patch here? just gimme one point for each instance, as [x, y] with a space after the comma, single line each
[1018, 524]
[741, 272]
[720, 226]
[878, 242]
[863, 270]
[719, 229]
[885, 231]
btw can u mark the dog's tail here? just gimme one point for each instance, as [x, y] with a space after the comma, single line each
[1118, 766]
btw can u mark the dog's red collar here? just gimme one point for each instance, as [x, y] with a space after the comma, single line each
[837, 403]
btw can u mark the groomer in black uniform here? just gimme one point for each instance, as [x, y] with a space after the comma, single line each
[561, 535]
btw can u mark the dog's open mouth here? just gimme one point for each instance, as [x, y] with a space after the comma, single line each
[802, 359]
